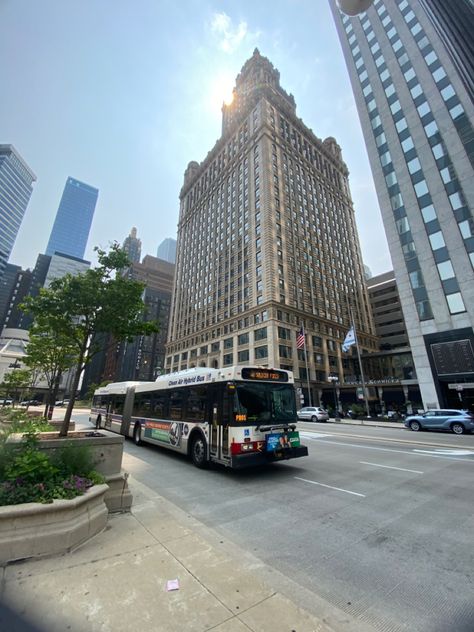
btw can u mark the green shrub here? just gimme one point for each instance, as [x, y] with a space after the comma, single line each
[73, 460]
[31, 475]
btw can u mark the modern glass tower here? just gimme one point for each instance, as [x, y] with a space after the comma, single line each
[267, 243]
[167, 250]
[16, 186]
[73, 219]
[412, 85]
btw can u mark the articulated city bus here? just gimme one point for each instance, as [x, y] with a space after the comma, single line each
[237, 416]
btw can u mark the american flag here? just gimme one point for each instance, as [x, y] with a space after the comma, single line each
[300, 342]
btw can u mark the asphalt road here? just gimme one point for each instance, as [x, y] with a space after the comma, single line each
[375, 521]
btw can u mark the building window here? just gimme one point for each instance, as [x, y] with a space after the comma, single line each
[227, 359]
[429, 214]
[416, 279]
[455, 303]
[214, 347]
[284, 351]
[243, 356]
[414, 165]
[424, 310]
[243, 339]
[445, 270]
[284, 334]
[261, 352]
[421, 188]
[466, 228]
[437, 240]
[228, 343]
[260, 334]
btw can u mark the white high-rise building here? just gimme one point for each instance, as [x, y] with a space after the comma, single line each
[412, 81]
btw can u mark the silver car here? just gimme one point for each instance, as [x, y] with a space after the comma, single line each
[458, 421]
[312, 413]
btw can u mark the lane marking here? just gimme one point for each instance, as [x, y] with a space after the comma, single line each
[305, 480]
[391, 467]
[409, 452]
[442, 452]
[382, 439]
[313, 435]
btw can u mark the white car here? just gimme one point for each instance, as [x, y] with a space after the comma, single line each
[312, 413]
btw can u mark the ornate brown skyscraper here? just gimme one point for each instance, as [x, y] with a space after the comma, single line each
[267, 242]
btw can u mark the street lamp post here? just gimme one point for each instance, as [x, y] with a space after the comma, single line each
[334, 379]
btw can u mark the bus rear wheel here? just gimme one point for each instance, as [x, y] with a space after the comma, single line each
[137, 434]
[199, 452]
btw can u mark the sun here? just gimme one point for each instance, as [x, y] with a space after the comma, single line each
[221, 90]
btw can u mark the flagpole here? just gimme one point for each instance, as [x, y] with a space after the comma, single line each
[360, 363]
[307, 371]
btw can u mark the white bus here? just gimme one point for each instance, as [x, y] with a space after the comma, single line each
[237, 416]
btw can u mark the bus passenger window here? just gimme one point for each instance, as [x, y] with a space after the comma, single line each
[159, 405]
[197, 398]
[176, 405]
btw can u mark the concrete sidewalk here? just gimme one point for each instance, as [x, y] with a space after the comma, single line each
[118, 581]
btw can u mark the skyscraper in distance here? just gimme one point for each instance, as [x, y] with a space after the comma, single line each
[73, 220]
[267, 242]
[167, 250]
[133, 246]
[16, 186]
[412, 79]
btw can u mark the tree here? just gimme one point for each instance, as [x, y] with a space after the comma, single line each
[16, 382]
[51, 353]
[99, 301]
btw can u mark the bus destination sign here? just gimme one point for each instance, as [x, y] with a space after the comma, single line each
[269, 375]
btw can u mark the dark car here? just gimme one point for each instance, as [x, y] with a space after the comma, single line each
[457, 421]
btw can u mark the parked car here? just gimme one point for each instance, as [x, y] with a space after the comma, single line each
[312, 413]
[7, 402]
[457, 421]
[62, 402]
[30, 402]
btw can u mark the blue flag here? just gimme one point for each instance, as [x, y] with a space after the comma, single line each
[349, 340]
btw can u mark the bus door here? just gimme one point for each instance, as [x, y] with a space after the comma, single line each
[218, 425]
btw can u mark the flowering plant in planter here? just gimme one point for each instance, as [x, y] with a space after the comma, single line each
[31, 475]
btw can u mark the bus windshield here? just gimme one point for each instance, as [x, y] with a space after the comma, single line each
[265, 403]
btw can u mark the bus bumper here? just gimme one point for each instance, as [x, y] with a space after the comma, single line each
[239, 461]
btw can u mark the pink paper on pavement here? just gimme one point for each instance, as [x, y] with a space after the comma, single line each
[172, 584]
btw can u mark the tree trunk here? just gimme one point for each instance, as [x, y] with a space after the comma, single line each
[79, 367]
[52, 395]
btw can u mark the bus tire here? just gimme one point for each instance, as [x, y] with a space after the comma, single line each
[198, 451]
[137, 435]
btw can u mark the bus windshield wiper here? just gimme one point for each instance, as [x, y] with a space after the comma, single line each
[282, 426]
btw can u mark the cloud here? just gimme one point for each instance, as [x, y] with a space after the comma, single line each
[229, 35]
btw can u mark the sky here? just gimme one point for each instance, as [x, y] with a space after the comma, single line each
[123, 95]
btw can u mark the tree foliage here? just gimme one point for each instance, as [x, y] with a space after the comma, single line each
[15, 382]
[99, 301]
[50, 353]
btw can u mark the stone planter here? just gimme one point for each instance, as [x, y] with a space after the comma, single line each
[106, 450]
[36, 529]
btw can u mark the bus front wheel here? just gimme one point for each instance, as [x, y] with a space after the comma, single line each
[199, 452]
[137, 434]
